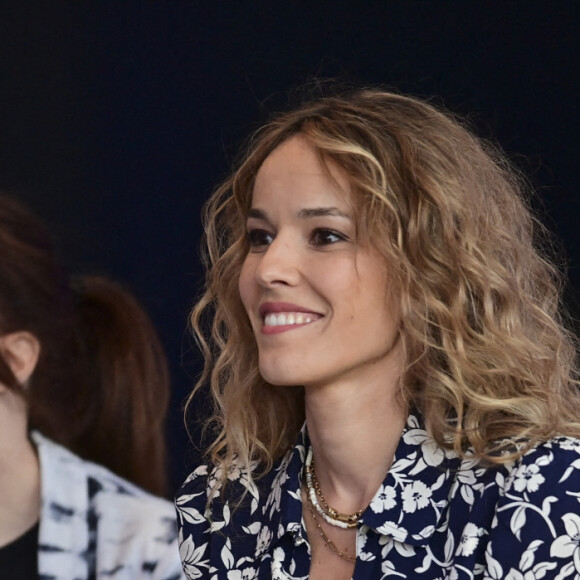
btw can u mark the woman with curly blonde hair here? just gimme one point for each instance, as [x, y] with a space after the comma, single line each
[394, 390]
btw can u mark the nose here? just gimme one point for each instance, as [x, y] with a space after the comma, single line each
[278, 264]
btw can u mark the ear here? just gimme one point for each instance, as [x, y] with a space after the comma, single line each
[20, 351]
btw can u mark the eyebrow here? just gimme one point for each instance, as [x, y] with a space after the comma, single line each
[303, 213]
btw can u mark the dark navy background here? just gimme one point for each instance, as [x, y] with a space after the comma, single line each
[117, 118]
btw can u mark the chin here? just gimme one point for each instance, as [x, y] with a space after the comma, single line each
[278, 381]
[281, 377]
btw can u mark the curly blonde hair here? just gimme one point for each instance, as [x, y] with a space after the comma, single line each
[487, 356]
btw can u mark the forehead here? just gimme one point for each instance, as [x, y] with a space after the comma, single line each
[296, 170]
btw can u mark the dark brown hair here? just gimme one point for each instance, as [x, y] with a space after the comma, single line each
[101, 385]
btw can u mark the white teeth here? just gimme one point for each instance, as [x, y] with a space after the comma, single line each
[287, 318]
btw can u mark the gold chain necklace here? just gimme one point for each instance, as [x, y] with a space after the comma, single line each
[327, 541]
[328, 514]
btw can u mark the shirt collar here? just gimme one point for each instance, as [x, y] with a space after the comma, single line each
[414, 495]
[408, 506]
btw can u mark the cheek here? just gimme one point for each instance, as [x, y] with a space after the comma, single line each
[374, 296]
[245, 285]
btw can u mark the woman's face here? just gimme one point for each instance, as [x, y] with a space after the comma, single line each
[316, 296]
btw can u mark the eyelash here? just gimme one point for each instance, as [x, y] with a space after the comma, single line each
[258, 238]
[328, 233]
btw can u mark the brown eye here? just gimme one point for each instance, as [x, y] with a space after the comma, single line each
[325, 237]
[259, 238]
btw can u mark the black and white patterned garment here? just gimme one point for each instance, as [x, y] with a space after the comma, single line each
[435, 517]
[96, 525]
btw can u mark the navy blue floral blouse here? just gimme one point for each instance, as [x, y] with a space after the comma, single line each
[434, 517]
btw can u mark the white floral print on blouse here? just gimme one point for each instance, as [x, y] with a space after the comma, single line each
[434, 517]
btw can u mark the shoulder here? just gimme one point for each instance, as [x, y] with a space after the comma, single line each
[104, 488]
[550, 469]
[80, 499]
[228, 526]
[541, 486]
[537, 522]
[205, 501]
[204, 517]
[191, 502]
[545, 480]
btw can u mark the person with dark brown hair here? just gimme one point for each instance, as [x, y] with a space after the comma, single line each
[121, 385]
[83, 393]
[395, 390]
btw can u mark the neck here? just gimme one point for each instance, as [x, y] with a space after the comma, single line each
[354, 430]
[19, 471]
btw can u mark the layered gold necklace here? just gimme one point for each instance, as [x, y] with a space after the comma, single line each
[327, 513]
[327, 541]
